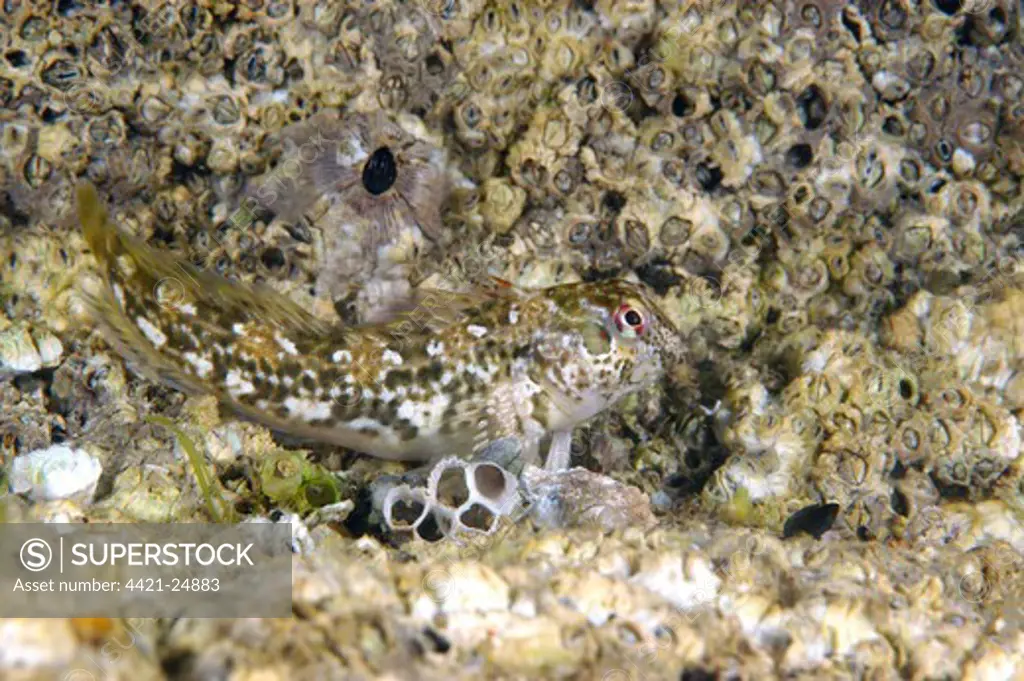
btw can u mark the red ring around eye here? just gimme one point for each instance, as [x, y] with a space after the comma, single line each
[628, 317]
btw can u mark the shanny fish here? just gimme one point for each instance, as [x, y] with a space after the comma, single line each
[455, 373]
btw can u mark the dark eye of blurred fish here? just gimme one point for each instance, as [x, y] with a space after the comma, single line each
[380, 172]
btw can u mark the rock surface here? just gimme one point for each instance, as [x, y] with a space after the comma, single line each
[826, 197]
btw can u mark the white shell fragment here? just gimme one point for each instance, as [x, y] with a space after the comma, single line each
[580, 497]
[23, 351]
[57, 472]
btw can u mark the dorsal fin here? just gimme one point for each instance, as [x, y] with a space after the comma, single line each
[166, 317]
[438, 308]
[155, 274]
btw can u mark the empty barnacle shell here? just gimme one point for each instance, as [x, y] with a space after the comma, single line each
[492, 487]
[454, 497]
[404, 508]
[436, 525]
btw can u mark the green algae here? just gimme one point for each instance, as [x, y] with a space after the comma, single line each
[291, 481]
[217, 506]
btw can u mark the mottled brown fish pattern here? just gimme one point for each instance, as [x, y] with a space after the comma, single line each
[455, 373]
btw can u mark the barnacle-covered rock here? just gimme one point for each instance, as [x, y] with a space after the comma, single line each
[979, 340]
[872, 418]
[25, 349]
[542, 151]
[824, 194]
[955, 119]
[845, 471]
[147, 495]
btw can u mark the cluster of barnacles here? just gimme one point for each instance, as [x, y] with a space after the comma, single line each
[460, 497]
[454, 497]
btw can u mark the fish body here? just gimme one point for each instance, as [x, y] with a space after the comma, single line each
[446, 378]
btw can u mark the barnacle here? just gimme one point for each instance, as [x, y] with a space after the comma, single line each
[458, 498]
[995, 24]
[503, 203]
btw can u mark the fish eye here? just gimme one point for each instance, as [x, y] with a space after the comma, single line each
[630, 321]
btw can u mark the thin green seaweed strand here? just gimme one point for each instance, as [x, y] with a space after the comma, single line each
[218, 509]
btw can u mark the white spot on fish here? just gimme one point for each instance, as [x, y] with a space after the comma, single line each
[155, 335]
[288, 346]
[513, 316]
[238, 328]
[392, 357]
[307, 409]
[417, 412]
[189, 308]
[237, 385]
[435, 348]
[203, 366]
[478, 331]
[479, 372]
[342, 356]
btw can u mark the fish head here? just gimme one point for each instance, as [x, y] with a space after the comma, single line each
[622, 341]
